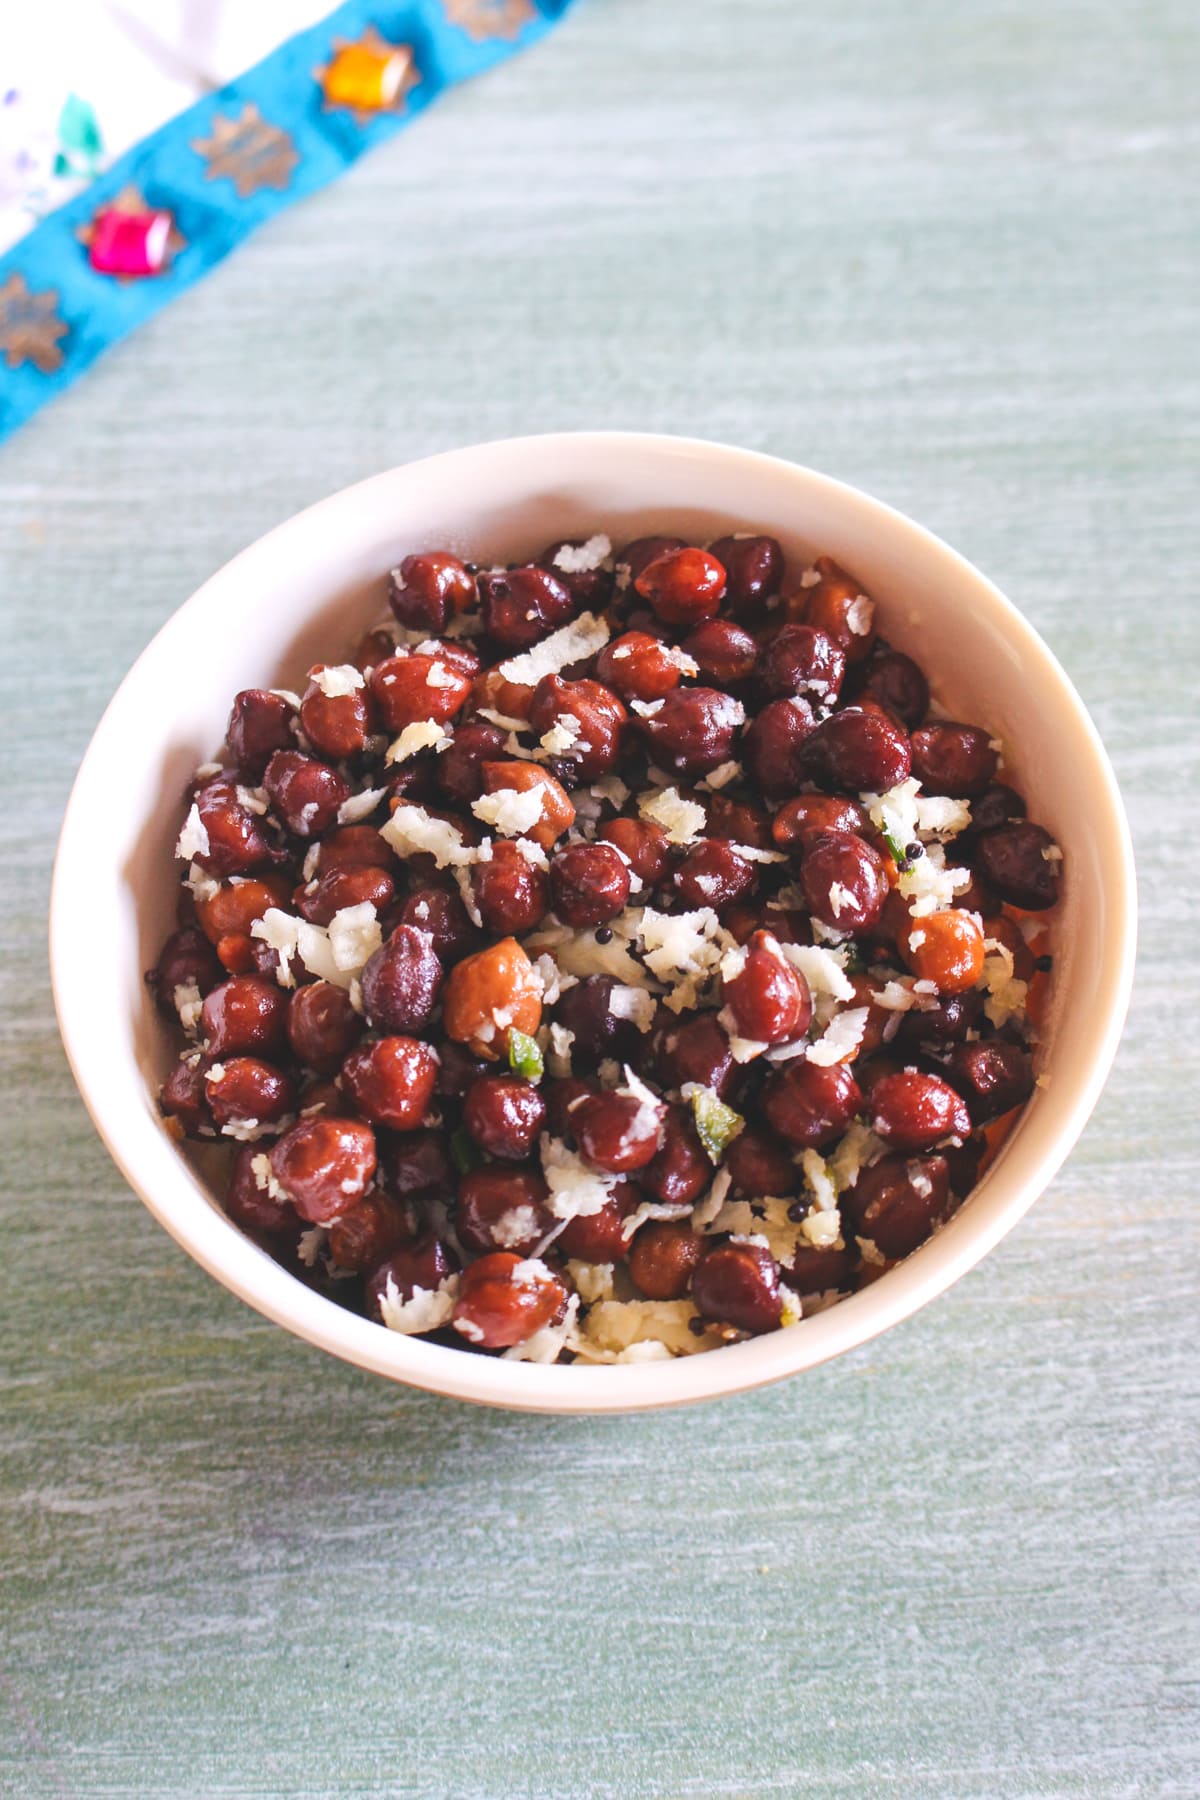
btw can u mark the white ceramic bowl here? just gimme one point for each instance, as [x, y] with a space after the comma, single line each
[307, 589]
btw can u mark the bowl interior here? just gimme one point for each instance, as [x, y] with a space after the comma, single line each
[309, 589]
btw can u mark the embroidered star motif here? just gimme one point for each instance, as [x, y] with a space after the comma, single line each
[251, 151]
[30, 326]
[132, 200]
[367, 76]
[482, 19]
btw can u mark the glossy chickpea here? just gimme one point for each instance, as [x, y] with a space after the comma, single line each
[353, 847]
[997, 805]
[593, 712]
[1000, 929]
[186, 960]
[802, 659]
[391, 1081]
[946, 948]
[401, 981]
[639, 553]
[589, 884]
[488, 994]
[899, 684]
[682, 586]
[322, 1026]
[760, 1163]
[425, 1264]
[806, 815]
[713, 874]
[459, 1068]
[754, 567]
[591, 589]
[913, 1110]
[738, 822]
[857, 751]
[321, 899]
[183, 1100]
[494, 691]
[644, 846]
[512, 894]
[305, 794]
[897, 1201]
[618, 1132]
[362, 1237]
[250, 1203]
[521, 606]
[442, 916]
[722, 651]
[600, 1237]
[408, 689]
[505, 1115]
[235, 906]
[502, 1209]
[336, 724]
[639, 666]
[373, 647]
[246, 1089]
[415, 1166]
[458, 772]
[237, 841]
[1016, 860]
[245, 1014]
[558, 812]
[680, 1171]
[430, 589]
[694, 729]
[932, 1028]
[738, 1285]
[785, 923]
[504, 1299]
[261, 723]
[773, 745]
[954, 759]
[693, 1049]
[992, 1077]
[586, 1011]
[769, 999]
[844, 880]
[819, 1271]
[839, 607]
[811, 1104]
[662, 1258]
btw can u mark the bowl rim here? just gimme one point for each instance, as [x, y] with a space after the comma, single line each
[217, 1245]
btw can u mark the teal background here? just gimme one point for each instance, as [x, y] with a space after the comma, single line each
[949, 253]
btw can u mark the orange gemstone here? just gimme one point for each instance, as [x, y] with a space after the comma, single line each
[364, 79]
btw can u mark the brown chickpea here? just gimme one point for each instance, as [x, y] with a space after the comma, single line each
[512, 894]
[497, 693]
[409, 689]
[713, 874]
[760, 1163]
[237, 842]
[183, 1100]
[502, 1209]
[753, 567]
[244, 1014]
[254, 1208]
[261, 723]
[838, 606]
[558, 813]
[401, 981]
[322, 1026]
[914, 1111]
[305, 794]
[521, 606]
[353, 847]
[680, 1170]
[801, 817]
[504, 1299]
[682, 586]
[391, 1081]
[810, 1104]
[362, 1237]
[599, 1237]
[773, 745]
[724, 652]
[245, 1088]
[426, 1263]
[429, 589]
[489, 993]
[897, 1201]
[617, 1132]
[505, 1115]
[589, 884]
[458, 772]
[236, 905]
[738, 1285]
[639, 666]
[738, 822]
[187, 959]
[769, 999]
[643, 844]
[336, 725]
[324, 1166]
[946, 948]
[662, 1257]
[321, 899]
[598, 715]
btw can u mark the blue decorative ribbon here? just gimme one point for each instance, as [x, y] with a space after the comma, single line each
[220, 169]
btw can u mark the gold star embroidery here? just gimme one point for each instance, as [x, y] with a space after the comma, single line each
[367, 76]
[482, 19]
[30, 326]
[132, 200]
[250, 151]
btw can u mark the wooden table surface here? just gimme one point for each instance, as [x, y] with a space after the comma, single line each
[947, 252]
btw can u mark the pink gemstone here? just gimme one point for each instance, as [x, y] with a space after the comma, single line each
[129, 243]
